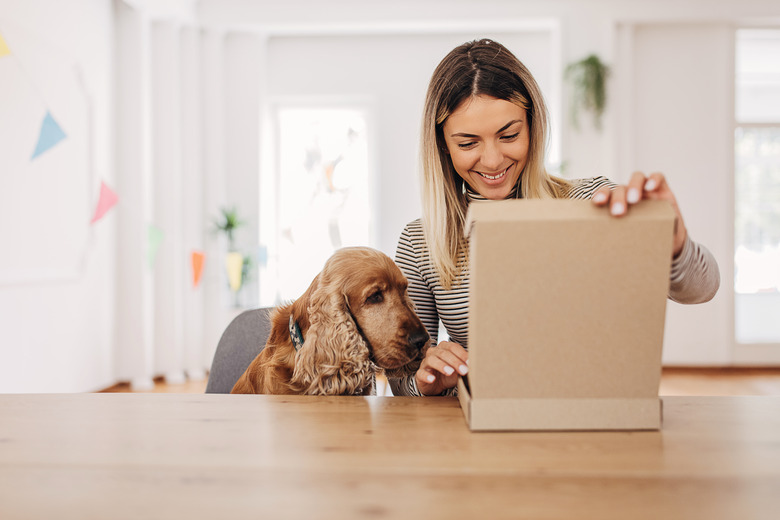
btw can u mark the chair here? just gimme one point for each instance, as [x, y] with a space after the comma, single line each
[243, 339]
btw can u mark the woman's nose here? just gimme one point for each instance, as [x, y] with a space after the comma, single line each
[492, 158]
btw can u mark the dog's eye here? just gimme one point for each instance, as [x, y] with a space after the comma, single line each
[375, 298]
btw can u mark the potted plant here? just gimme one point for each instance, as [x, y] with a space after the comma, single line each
[588, 79]
[227, 223]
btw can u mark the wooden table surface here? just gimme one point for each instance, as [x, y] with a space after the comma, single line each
[190, 456]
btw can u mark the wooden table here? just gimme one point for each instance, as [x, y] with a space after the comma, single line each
[189, 456]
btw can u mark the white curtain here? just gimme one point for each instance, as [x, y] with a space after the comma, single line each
[186, 146]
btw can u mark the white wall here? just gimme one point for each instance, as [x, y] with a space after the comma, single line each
[67, 329]
[57, 303]
[682, 124]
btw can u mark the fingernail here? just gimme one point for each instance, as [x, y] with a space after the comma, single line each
[650, 185]
[449, 371]
[618, 208]
[599, 197]
[430, 379]
[633, 196]
[463, 369]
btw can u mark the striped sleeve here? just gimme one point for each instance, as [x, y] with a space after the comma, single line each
[412, 258]
[695, 277]
[585, 188]
[410, 248]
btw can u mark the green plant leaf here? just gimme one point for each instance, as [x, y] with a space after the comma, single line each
[588, 78]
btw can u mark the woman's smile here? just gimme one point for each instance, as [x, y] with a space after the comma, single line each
[494, 176]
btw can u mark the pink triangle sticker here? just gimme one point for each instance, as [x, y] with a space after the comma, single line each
[106, 201]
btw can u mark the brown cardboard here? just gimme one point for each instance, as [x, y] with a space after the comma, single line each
[566, 315]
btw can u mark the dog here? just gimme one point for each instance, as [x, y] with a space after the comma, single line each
[355, 319]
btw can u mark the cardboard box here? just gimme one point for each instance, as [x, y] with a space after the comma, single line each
[566, 315]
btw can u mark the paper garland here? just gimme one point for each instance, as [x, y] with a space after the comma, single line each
[50, 135]
[234, 263]
[4, 50]
[106, 201]
[155, 238]
[196, 259]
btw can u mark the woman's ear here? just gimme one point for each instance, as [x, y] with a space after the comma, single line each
[334, 358]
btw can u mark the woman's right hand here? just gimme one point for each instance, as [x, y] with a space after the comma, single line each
[440, 368]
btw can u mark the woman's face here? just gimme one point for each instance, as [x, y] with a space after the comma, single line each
[487, 140]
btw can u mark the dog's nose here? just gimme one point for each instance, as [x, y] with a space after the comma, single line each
[418, 339]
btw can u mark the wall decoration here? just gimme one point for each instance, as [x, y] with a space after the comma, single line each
[234, 263]
[50, 135]
[197, 259]
[4, 50]
[154, 239]
[106, 201]
[48, 180]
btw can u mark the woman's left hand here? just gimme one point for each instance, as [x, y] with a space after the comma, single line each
[653, 187]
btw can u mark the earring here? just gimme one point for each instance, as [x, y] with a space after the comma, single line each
[463, 187]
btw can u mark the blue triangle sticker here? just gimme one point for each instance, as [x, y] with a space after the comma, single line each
[51, 134]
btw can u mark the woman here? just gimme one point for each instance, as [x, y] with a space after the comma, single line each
[484, 134]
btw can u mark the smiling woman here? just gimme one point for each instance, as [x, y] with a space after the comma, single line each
[485, 128]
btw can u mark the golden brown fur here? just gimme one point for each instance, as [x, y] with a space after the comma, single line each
[356, 318]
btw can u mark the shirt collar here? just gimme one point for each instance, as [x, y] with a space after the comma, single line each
[472, 195]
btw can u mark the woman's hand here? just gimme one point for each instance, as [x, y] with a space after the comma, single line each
[653, 187]
[440, 368]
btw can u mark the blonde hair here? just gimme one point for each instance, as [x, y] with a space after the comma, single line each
[480, 67]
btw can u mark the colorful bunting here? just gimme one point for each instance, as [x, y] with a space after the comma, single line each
[4, 50]
[234, 264]
[197, 258]
[50, 135]
[155, 237]
[106, 201]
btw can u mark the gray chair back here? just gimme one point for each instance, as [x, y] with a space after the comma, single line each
[241, 342]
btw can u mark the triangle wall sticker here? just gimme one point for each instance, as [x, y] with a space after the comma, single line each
[154, 239]
[234, 263]
[4, 50]
[197, 258]
[106, 201]
[50, 135]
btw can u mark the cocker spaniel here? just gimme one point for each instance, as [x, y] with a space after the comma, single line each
[354, 319]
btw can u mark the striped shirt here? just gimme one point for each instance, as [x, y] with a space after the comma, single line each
[694, 278]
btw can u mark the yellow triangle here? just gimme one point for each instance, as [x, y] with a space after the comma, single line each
[4, 50]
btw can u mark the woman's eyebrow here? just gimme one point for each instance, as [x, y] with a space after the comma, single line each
[463, 134]
[508, 125]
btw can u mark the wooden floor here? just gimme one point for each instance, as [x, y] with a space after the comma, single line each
[675, 381]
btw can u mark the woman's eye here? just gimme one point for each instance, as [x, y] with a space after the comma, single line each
[375, 298]
[511, 137]
[466, 146]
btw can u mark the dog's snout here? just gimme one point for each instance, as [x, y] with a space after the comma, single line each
[418, 339]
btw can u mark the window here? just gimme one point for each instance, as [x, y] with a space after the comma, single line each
[757, 186]
[322, 185]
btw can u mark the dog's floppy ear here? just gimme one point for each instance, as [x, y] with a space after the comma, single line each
[334, 358]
